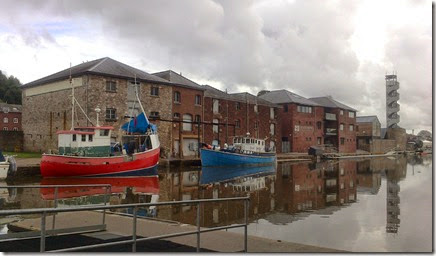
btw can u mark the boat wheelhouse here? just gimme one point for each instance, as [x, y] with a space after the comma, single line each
[85, 141]
[249, 145]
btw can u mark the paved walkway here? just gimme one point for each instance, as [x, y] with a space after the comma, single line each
[219, 241]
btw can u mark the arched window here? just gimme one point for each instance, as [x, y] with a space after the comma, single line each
[187, 126]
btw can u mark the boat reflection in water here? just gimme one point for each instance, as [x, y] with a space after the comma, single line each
[224, 174]
[123, 190]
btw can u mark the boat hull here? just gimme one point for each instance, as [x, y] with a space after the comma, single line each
[220, 158]
[142, 163]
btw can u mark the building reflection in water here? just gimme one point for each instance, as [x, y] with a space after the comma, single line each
[280, 195]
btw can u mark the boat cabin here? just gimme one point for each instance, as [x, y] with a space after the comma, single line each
[247, 144]
[85, 141]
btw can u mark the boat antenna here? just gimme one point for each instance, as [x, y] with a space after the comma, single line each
[72, 100]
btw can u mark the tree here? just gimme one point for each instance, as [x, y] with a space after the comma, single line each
[10, 91]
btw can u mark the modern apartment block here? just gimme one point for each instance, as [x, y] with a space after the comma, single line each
[339, 124]
[301, 120]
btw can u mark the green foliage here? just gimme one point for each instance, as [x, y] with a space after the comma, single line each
[10, 91]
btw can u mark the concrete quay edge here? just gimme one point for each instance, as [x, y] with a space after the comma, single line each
[220, 241]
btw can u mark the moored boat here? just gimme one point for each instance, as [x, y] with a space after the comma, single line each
[244, 151]
[7, 165]
[88, 151]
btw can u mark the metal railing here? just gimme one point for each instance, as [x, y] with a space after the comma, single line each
[108, 191]
[43, 232]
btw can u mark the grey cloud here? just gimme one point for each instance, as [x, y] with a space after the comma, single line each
[303, 46]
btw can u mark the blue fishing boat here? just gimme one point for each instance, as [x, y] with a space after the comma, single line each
[244, 151]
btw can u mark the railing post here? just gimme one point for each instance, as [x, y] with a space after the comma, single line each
[135, 210]
[246, 207]
[42, 245]
[55, 206]
[105, 202]
[198, 227]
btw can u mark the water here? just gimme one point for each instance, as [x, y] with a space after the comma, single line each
[373, 205]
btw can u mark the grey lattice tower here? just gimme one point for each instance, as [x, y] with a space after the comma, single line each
[392, 97]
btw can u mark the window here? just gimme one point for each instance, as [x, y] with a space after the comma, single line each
[197, 99]
[154, 91]
[177, 97]
[197, 118]
[238, 105]
[15, 120]
[304, 109]
[255, 108]
[90, 137]
[351, 127]
[351, 114]
[176, 115]
[341, 127]
[83, 137]
[15, 129]
[318, 125]
[318, 140]
[256, 124]
[111, 113]
[342, 141]
[215, 106]
[238, 123]
[104, 132]
[154, 114]
[215, 126]
[111, 86]
[271, 113]
[187, 126]
[271, 129]
[5, 120]
[351, 184]
[285, 107]
[341, 112]
[74, 137]
[5, 128]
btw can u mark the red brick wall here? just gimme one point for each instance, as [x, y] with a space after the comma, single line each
[10, 124]
[229, 114]
[364, 129]
[186, 106]
[301, 128]
[349, 145]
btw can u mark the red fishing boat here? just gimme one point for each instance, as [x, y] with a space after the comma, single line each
[88, 151]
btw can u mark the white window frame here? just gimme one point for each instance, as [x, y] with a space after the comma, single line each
[187, 127]
[15, 120]
[5, 120]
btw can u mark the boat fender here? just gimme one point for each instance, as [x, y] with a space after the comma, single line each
[12, 166]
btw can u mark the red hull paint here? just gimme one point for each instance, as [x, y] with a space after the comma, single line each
[146, 185]
[61, 166]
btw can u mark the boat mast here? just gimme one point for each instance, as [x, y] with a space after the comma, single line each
[72, 100]
[137, 97]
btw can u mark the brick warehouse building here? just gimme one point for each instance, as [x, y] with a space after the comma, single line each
[105, 83]
[187, 105]
[339, 123]
[301, 120]
[236, 114]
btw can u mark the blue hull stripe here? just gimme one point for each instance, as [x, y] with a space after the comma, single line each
[220, 158]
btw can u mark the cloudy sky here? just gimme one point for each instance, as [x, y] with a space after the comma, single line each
[312, 48]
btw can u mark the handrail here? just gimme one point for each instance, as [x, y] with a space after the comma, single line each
[135, 206]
